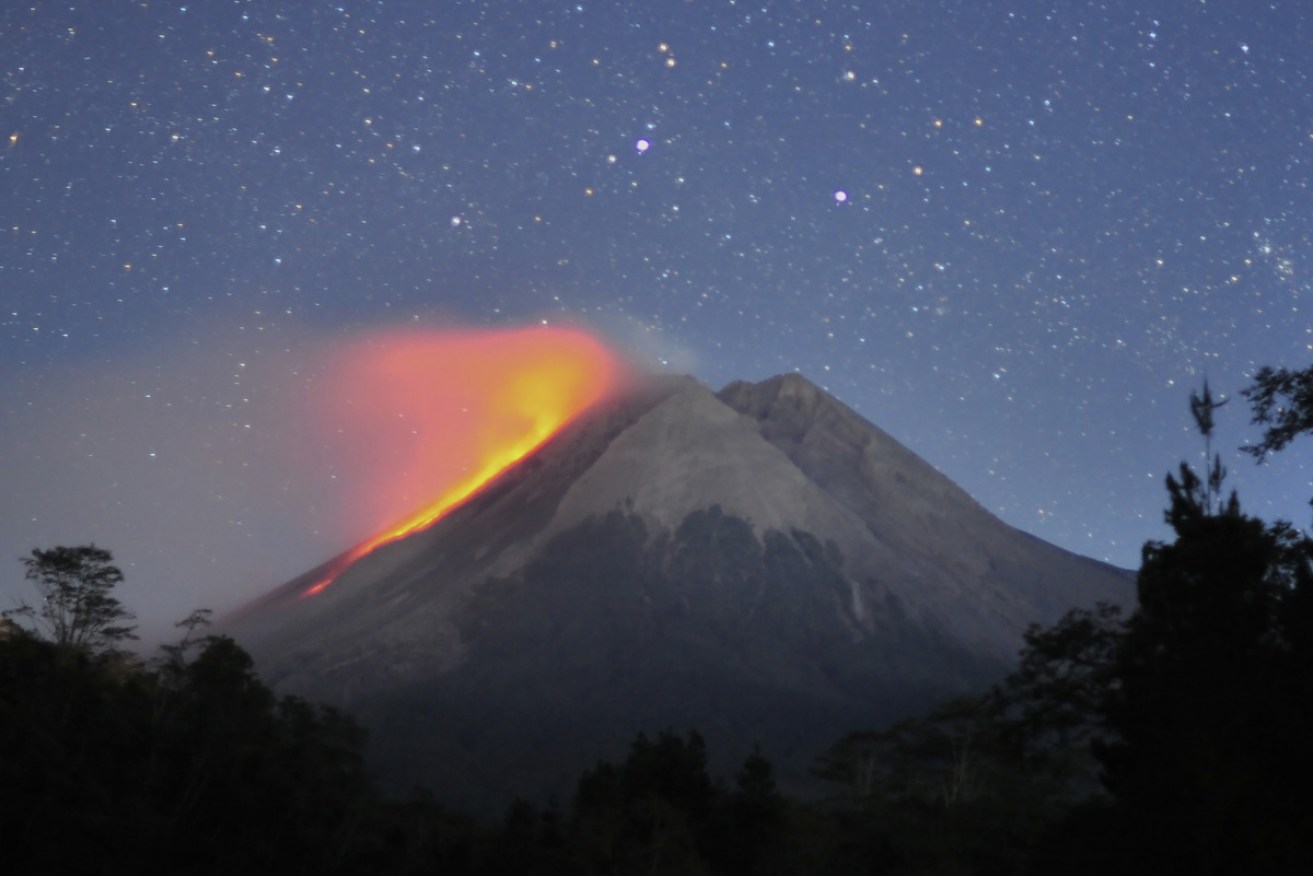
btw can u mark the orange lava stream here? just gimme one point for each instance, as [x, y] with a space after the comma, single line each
[474, 403]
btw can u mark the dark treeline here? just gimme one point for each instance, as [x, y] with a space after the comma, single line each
[1171, 738]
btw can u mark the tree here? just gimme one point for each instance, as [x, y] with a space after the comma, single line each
[649, 814]
[1282, 400]
[110, 764]
[1210, 693]
[172, 662]
[77, 609]
[1055, 697]
[1202, 407]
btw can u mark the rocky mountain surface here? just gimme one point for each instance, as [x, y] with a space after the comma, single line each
[762, 564]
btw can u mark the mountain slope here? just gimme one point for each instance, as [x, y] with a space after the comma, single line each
[762, 564]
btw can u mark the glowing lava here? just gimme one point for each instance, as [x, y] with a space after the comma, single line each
[440, 414]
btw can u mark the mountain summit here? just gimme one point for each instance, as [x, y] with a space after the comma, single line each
[761, 564]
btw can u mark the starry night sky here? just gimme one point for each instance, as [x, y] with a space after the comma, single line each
[1015, 235]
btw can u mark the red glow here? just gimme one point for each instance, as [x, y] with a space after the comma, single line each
[440, 414]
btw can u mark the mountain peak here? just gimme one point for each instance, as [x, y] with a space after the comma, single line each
[687, 452]
[790, 398]
[762, 563]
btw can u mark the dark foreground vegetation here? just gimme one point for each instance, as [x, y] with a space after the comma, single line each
[1174, 739]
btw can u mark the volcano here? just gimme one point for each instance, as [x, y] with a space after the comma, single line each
[761, 564]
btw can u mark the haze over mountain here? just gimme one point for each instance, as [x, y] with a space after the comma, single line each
[761, 564]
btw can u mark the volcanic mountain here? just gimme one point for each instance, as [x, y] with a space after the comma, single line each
[761, 564]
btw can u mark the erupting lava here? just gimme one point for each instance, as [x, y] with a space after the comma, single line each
[455, 409]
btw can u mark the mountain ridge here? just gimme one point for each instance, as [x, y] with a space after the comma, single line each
[762, 563]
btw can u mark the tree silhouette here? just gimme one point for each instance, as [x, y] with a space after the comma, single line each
[77, 609]
[109, 764]
[1202, 407]
[1282, 400]
[650, 813]
[1211, 693]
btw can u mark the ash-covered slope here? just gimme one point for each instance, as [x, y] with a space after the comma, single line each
[762, 564]
[1004, 578]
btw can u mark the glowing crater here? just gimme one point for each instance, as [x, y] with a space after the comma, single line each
[443, 413]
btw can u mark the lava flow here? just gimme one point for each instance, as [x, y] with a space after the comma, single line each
[439, 414]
